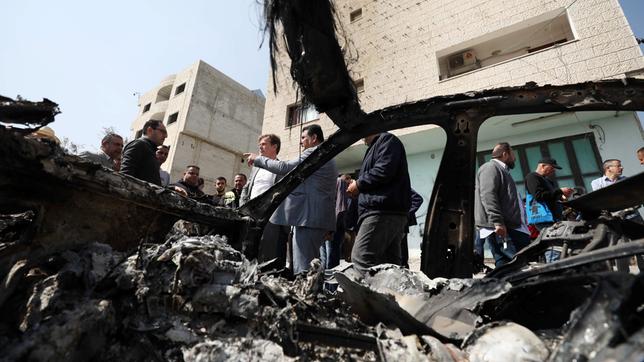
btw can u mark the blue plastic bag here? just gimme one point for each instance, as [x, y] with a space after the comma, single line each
[537, 212]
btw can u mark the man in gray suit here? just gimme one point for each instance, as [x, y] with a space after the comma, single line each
[498, 210]
[310, 208]
[111, 148]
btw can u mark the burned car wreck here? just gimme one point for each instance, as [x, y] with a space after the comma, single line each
[93, 269]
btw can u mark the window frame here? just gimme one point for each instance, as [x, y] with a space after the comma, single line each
[180, 89]
[577, 176]
[174, 117]
[293, 108]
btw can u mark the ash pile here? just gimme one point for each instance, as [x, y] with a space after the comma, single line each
[190, 298]
[198, 299]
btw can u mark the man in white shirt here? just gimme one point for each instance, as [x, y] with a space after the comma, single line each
[612, 173]
[162, 156]
[274, 237]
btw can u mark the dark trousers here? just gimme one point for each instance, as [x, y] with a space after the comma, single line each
[404, 252]
[504, 250]
[273, 245]
[331, 250]
[378, 241]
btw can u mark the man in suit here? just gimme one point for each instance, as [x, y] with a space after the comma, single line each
[274, 237]
[310, 208]
[139, 156]
[498, 211]
[111, 148]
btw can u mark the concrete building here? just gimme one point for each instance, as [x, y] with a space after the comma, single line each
[403, 50]
[211, 121]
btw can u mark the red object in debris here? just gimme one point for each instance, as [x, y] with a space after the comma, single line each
[534, 232]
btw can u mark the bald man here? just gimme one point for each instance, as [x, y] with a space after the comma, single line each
[498, 211]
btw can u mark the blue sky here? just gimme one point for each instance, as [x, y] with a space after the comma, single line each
[91, 57]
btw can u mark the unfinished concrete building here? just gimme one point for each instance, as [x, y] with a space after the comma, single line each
[403, 51]
[211, 120]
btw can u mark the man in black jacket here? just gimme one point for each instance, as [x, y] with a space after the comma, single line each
[139, 156]
[189, 183]
[544, 190]
[383, 203]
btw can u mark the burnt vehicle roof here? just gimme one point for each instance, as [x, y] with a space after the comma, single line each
[319, 68]
[449, 224]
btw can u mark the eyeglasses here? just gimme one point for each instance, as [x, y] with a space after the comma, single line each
[161, 130]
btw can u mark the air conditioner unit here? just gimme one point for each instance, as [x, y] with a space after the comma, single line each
[462, 62]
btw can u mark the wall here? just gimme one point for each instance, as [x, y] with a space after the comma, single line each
[393, 48]
[218, 120]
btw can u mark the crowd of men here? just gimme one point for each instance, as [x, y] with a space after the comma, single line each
[371, 214]
[503, 218]
[375, 209]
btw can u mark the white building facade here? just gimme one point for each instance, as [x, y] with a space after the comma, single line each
[211, 121]
[403, 51]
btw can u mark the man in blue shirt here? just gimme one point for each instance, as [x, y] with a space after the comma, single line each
[612, 173]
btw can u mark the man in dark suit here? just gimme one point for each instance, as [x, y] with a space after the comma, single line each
[139, 156]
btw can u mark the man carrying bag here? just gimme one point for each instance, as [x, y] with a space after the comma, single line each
[543, 206]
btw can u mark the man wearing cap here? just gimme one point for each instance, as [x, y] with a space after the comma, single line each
[111, 148]
[544, 190]
[498, 210]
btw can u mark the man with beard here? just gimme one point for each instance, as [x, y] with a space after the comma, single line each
[139, 156]
[498, 211]
[238, 185]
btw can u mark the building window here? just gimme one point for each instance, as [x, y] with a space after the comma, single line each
[173, 118]
[359, 84]
[529, 36]
[578, 157]
[164, 94]
[146, 107]
[355, 15]
[180, 89]
[297, 114]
